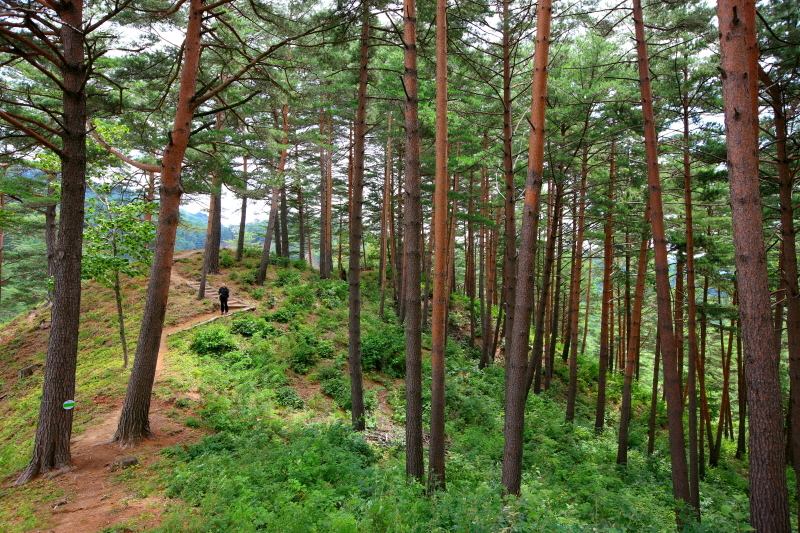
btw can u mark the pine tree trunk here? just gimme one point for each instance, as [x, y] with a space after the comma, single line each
[575, 291]
[789, 256]
[387, 194]
[325, 222]
[769, 507]
[356, 233]
[51, 449]
[134, 424]
[213, 235]
[415, 465]
[510, 255]
[436, 476]
[632, 345]
[677, 443]
[651, 434]
[243, 217]
[516, 358]
[534, 367]
[605, 314]
[284, 224]
[301, 224]
[261, 276]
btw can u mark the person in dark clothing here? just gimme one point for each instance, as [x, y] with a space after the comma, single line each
[223, 299]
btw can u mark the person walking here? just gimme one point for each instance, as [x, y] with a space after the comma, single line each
[223, 299]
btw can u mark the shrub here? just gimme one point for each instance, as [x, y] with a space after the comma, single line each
[299, 264]
[303, 357]
[302, 297]
[284, 315]
[288, 397]
[279, 261]
[332, 292]
[384, 350]
[336, 385]
[247, 325]
[258, 293]
[225, 258]
[249, 277]
[192, 422]
[251, 252]
[212, 341]
[286, 278]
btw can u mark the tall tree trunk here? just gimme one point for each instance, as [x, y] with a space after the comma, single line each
[556, 314]
[695, 368]
[633, 343]
[415, 465]
[51, 450]
[677, 443]
[486, 281]
[213, 236]
[575, 291]
[134, 424]
[769, 506]
[284, 223]
[741, 393]
[301, 223]
[325, 221]
[356, 231]
[588, 299]
[651, 435]
[243, 217]
[261, 276]
[534, 369]
[789, 256]
[510, 255]
[386, 209]
[272, 222]
[516, 359]
[469, 276]
[436, 476]
[605, 313]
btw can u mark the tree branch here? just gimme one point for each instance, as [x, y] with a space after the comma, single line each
[30, 132]
[120, 155]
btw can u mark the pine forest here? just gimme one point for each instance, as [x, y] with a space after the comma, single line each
[363, 266]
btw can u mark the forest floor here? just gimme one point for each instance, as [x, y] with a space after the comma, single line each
[96, 497]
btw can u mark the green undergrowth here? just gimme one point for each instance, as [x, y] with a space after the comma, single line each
[272, 388]
[282, 463]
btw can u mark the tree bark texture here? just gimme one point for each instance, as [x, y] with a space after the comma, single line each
[134, 424]
[436, 476]
[516, 359]
[51, 449]
[769, 507]
[356, 233]
[415, 465]
[677, 442]
[575, 292]
[789, 262]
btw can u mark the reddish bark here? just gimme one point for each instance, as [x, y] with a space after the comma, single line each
[356, 233]
[436, 479]
[415, 466]
[677, 443]
[575, 291]
[769, 507]
[516, 358]
[134, 424]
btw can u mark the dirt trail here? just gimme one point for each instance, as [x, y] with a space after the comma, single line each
[94, 499]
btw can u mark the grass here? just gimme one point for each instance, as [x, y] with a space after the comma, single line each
[282, 459]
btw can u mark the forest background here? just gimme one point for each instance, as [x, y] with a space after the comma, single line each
[522, 188]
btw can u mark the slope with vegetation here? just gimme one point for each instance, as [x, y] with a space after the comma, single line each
[270, 392]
